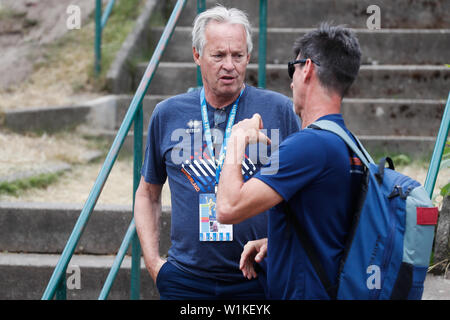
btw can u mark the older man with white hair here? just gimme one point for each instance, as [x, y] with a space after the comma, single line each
[186, 143]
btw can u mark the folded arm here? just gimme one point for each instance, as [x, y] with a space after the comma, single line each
[236, 200]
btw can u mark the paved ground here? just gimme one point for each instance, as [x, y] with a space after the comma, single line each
[436, 288]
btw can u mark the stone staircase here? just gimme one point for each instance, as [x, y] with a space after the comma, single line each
[395, 106]
[32, 236]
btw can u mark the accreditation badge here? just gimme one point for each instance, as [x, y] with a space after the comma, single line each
[210, 229]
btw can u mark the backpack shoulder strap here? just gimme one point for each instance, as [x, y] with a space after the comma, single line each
[336, 129]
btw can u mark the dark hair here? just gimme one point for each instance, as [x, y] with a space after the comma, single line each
[337, 51]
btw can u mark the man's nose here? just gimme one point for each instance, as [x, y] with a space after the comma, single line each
[228, 63]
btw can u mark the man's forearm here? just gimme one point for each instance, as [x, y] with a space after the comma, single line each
[236, 200]
[147, 216]
[231, 180]
[147, 213]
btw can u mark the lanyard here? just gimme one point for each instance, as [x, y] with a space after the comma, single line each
[208, 136]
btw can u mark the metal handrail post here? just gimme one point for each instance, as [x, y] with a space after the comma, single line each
[135, 245]
[111, 157]
[135, 285]
[98, 37]
[201, 6]
[441, 139]
[107, 13]
[131, 231]
[129, 116]
[130, 236]
[61, 290]
[100, 22]
[262, 44]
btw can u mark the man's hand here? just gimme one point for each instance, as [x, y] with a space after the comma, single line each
[254, 251]
[154, 268]
[250, 130]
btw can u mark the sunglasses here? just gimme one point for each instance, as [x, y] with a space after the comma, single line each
[219, 117]
[291, 65]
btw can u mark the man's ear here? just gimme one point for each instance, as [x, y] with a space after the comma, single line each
[308, 70]
[196, 56]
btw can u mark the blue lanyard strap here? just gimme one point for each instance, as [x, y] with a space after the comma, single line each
[208, 136]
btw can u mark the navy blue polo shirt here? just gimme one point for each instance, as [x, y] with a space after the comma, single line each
[318, 176]
[176, 151]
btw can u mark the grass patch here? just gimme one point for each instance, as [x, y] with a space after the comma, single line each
[64, 69]
[40, 181]
[445, 163]
[8, 13]
[119, 25]
[402, 159]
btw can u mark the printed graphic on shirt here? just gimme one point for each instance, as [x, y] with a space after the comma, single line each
[200, 170]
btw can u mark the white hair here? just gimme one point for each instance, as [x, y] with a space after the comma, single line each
[222, 15]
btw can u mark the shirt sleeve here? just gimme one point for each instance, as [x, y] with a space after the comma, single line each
[154, 168]
[299, 160]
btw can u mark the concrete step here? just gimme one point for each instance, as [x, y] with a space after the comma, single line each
[148, 105]
[104, 112]
[394, 117]
[379, 81]
[25, 277]
[391, 118]
[46, 227]
[48, 119]
[416, 117]
[385, 46]
[353, 13]
[385, 126]
[419, 147]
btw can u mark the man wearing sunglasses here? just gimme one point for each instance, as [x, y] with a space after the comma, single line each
[187, 143]
[318, 177]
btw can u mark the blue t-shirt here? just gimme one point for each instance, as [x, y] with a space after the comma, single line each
[176, 149]
[319, 177]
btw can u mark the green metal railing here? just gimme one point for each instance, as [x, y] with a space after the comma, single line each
[201, 6]
[100, 23]
[439, 146]
[262, 43]
[57, 283]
